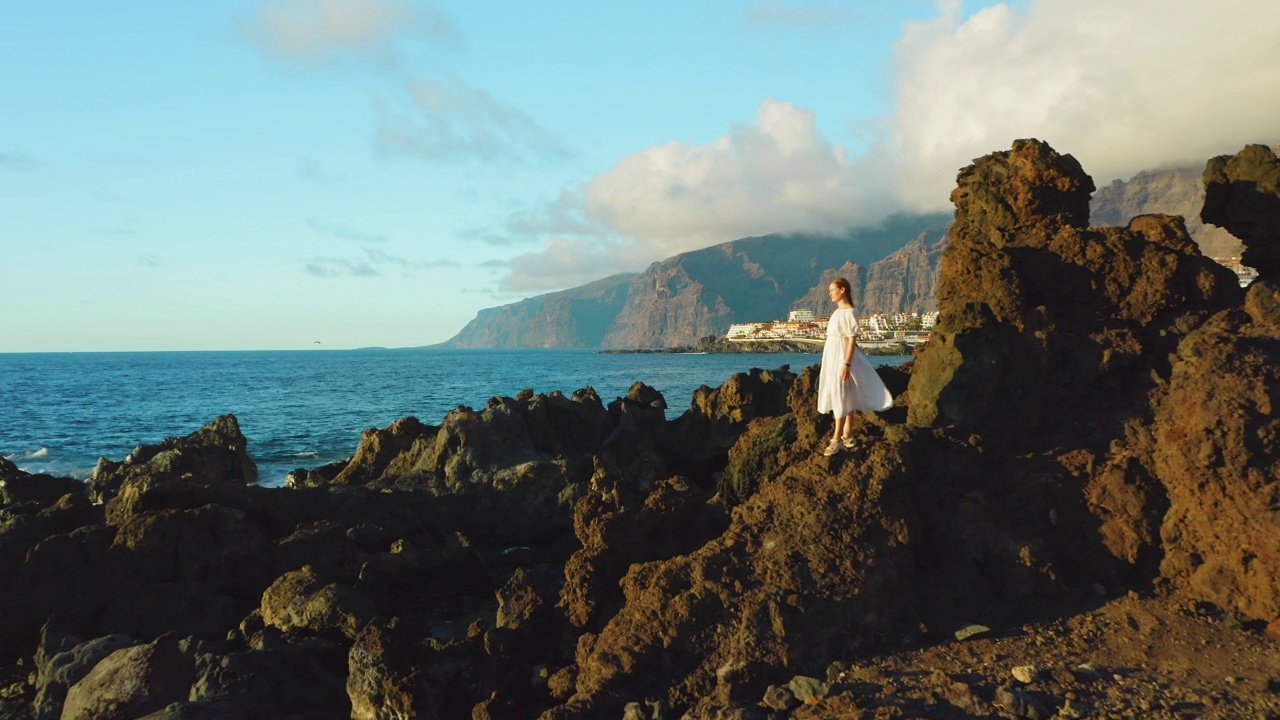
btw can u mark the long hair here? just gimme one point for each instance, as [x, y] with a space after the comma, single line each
[844, 288]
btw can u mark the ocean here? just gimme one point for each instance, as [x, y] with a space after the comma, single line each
[60, 412]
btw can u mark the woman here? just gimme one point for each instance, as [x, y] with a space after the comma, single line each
[846, 382]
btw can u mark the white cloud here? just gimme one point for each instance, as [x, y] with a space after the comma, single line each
[777, 174]
[567, 262]
[1121, 86]
[312, 29]
[455, 121]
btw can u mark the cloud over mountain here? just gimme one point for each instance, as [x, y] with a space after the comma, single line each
[1121, 87]
[776, 174]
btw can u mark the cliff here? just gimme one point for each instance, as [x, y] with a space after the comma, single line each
[578, 317]
[891, 269]
[1172, 191]
[691, 295]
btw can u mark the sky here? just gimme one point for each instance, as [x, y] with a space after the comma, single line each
[301, 174]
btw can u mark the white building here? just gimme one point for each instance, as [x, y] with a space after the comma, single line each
[800, 316]
[741, 330]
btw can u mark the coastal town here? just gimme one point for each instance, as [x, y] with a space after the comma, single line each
[876, 331]
[883, 331]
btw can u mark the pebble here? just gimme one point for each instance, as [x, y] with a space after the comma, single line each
[1025, 673]
[971, 630]
[806, 687]
[1089, 671]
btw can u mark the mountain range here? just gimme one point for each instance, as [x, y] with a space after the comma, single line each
[891, 268]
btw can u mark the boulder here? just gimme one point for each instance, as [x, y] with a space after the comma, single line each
[1216, 449]
[383, 680]
[1041, 315]
[132, 682]
[300, 602]
[17, 486]
[61, 670]
[699, 440]
[221, 549]
[763, 595]
[379, 448]
[1242, 194]
[280, 682]
[675, 518]
[215, 454]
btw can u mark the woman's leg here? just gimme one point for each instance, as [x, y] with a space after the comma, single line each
[842, 428]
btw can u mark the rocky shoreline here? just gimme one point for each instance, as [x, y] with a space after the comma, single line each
[1070, 511]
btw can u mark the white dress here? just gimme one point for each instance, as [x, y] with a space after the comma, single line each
[865, 391]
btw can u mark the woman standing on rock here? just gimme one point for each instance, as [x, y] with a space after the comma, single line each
[846, 381]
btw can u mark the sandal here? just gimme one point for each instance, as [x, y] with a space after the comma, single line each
[847, 442]
[832, 448]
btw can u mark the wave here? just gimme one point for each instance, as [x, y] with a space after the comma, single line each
[30, 455]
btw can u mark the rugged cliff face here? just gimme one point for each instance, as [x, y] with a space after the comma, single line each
[1173, 191]
[907, 280]
[578, 317]
[891, 269]
[695, 294]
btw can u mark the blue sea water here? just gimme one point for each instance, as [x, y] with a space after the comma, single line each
[60, 412]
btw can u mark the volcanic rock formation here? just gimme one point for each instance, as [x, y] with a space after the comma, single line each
[1095, 415]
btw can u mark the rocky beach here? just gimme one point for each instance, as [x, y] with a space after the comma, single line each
[1072, 510]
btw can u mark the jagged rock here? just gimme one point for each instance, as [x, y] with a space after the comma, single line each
[673, 519]
[1040, 313]
[518, 602]
[1167, 191]
[780, 698]
[63, 669]
[1216, 449]
[1242, 194]
[63, 576]
[758, 455]
[274, 683]
[703, 435]
[379, 448]
[300, 601]
[17, 486]
[216, 453]
[1022, 704]
[220, 548]
[21, 531]
[132, 682]
[383, 678]
[762, 591]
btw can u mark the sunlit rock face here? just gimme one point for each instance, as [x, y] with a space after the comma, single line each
[1041, 314]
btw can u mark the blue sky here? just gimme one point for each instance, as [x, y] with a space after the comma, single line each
[266, 174]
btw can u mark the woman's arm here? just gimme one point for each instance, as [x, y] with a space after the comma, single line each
[849, 345]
